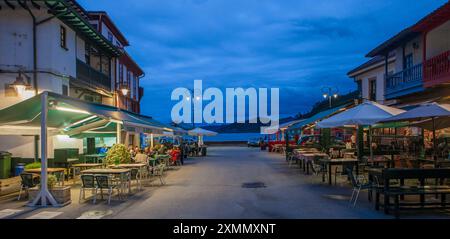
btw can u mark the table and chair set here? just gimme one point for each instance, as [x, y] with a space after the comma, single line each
[317, 162]
[98, 177]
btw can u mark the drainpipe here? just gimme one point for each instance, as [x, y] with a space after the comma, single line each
[36, 91]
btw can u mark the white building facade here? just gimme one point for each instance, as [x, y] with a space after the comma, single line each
[55, 48]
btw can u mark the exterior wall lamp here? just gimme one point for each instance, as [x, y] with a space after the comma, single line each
[20, 85]
[124, 89]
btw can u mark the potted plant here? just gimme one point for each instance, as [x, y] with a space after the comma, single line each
[118, 154]
[60, 193]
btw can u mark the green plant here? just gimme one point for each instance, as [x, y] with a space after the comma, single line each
[33, 165]
[51, 181]
[118, 154]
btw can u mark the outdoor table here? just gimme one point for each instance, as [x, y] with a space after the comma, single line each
[339, 161]
[111, 171]
[96, 157]
[377, 161]
[60, 171]
[139, 166]
[307, 158]
[84, 166]
[388, 174]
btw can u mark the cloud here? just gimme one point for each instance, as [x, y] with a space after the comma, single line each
[296, 45]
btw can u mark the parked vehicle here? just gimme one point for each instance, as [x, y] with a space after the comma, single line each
[253, 143]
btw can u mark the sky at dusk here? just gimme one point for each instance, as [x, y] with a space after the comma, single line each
[298, 46]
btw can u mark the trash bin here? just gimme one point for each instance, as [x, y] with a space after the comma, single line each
[5, 164]
[20, 167]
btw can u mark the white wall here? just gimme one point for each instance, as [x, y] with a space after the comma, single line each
[438, 40]
[377, 73]
[16, 48]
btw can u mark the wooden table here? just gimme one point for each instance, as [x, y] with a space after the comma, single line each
[84, 166]
[339, 161]
[60, 171]
[138, 166]
[307, 158]
[388, 174]
[111, 171]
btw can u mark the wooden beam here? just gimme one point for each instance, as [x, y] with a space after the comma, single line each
[23, 4]
[10, 5]
[35, 5]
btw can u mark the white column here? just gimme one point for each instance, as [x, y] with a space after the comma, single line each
[118, 135]
[44, 194]
[151, 140]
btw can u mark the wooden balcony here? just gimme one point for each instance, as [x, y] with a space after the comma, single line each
[91, 77]
[404, 82]
[437, 70]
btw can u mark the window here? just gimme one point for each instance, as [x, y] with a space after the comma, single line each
[65, 90]
[63, 37]
[373, 89]
[87, 54]
[128, 78]
[409, 61]
[120, 73]
[359, 83]
[110, 37]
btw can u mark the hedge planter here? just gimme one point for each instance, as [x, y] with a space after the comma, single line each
[61, 194]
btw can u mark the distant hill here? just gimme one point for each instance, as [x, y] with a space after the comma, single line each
[234, 127]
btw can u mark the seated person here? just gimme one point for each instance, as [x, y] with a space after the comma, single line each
[103, 149]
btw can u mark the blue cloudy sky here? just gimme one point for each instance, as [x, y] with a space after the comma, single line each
[298, 46]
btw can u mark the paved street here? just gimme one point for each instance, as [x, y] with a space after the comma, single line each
[211, 187]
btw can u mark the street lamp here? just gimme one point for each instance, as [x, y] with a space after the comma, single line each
[197, 98]
[330, 93]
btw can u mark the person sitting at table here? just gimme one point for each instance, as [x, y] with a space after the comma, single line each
[103, 149]
[137, 150]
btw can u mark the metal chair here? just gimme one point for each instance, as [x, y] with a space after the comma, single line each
[27, 183]
[105, 182]
[342, 171]
[136, 176]
[159, 172]
[358, 183]
[87, 182]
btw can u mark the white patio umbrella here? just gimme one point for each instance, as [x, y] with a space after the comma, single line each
[365, 114]
[199, 132]
[431, 116]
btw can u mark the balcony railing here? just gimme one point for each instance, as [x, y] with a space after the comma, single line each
[404, 82]
[437, 70]
[92, 77]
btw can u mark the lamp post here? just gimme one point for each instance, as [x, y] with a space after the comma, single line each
[330, 93]
[191, 99]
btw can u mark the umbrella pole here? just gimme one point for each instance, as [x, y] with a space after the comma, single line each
[44, 195]
[370, 143]
[434, 140]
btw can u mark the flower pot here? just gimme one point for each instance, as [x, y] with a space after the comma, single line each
[61, 194]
